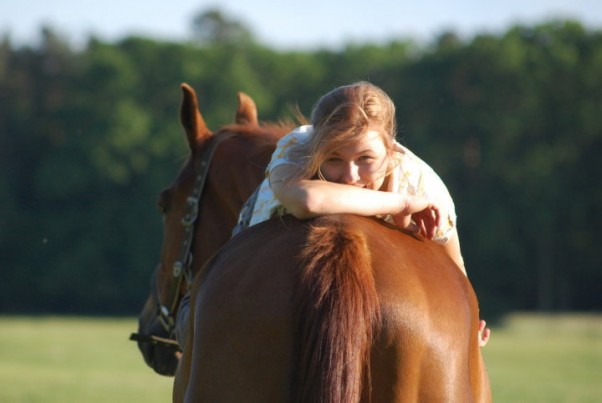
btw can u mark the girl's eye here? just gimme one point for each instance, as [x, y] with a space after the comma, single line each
[366, 158]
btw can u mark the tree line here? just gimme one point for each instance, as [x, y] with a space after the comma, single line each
[88, 137]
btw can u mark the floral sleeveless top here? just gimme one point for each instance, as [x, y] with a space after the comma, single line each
[412, 176]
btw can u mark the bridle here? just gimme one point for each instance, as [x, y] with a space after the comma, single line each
[182, 267]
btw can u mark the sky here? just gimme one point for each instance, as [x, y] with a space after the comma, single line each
[286, 24]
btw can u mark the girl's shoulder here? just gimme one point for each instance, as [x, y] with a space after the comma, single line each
[411, 162]
[299, 135]
[407, 161]
[405, 153]
[282, 154]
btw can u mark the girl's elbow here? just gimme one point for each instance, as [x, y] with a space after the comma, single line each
[302, 202]
[301, 210]
[301, 214]
[303, 207]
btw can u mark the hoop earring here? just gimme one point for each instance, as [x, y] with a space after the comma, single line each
[320, 175]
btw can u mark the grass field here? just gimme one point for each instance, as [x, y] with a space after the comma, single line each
[546, 359]
[56, 359]
[74, 360]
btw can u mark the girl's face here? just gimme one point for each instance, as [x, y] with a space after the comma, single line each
[362, 164]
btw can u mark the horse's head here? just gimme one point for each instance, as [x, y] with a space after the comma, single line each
[199, 211]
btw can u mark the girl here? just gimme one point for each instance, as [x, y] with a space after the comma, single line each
[348, 161]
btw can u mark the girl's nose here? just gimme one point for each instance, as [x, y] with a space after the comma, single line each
[350, 174]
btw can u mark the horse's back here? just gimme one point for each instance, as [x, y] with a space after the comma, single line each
[243, 321]
[427, 341]
[247, 318]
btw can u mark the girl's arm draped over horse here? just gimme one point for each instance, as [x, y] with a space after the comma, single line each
[305, 198]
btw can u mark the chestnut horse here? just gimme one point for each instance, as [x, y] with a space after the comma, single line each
[334, 309]
[339, 309]
[200, 209]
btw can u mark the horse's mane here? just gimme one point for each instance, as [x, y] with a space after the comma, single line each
[337, 311]
[270, 129]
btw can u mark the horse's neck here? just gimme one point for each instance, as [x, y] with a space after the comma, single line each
[237, 169]
[221, 204]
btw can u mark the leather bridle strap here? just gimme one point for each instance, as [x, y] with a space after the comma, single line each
[183, 264]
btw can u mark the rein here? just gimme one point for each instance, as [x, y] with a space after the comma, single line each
[166, 314]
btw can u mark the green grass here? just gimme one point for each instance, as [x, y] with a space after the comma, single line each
[56, 359]
[546, 359]
[75, 360]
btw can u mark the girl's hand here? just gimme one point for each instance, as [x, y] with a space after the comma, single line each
[425, 215]
[428, 220]
[484, 333]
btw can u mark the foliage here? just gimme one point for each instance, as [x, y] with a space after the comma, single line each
[213, 26]
[89, 136]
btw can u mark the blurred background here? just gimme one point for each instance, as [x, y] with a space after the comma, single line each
[503, 100]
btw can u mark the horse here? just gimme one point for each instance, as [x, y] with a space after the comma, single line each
[199, 210]
[335, 309]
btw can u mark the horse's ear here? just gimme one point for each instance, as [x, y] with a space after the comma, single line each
[191, 118]
[247, 110]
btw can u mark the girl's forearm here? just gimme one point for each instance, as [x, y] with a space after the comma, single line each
[310, 198]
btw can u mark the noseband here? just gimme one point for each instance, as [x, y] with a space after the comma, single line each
[182, 267]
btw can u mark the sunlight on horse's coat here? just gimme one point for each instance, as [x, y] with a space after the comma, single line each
[333, 309]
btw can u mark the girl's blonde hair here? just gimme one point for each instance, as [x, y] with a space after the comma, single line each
[343, 116]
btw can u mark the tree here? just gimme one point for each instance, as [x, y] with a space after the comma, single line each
[89, 137]
[214, 27]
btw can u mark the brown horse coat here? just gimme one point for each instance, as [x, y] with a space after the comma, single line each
[236, 169]
[334, 309]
